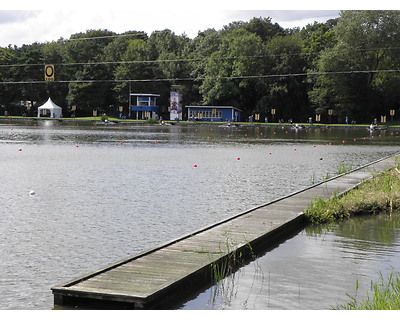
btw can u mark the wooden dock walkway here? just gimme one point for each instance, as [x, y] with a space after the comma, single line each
[159, 277]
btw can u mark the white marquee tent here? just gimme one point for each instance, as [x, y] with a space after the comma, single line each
[55, 110]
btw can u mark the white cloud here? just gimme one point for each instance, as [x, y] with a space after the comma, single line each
[10, 16]
[55, 20]
[25, 27]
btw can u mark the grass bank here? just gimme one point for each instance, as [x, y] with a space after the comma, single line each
[378, 195]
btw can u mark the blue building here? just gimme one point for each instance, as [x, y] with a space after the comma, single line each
[214, 113]
[143, 106]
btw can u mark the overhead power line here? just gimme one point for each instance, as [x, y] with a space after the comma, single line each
[107, 62]
[207, 78]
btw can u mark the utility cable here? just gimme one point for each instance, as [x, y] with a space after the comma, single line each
[207, 78]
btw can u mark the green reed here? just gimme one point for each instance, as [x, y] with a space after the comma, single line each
[384, 295]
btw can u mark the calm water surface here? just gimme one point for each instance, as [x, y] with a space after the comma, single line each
[314, 270]
[103, 193]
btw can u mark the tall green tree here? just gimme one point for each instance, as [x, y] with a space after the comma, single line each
[264, 28]
[287, 93]
[316, 38]
[352, 81]
[7, 95]
[91, 85]
[136, 67]
[169, 52]
[199, 50]
[31, 69]
[230, 73]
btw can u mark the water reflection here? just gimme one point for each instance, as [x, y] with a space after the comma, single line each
[314, 269]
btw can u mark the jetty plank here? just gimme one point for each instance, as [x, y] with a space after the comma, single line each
[159, 276]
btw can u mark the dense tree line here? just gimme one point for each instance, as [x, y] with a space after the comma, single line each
[349, 65]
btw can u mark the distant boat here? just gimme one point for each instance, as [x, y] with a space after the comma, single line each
[106, 122]
[229, 125]
[373, 128]
[297, 126]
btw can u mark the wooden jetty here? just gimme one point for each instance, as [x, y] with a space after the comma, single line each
[157, 278]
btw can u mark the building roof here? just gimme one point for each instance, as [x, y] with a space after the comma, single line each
[145, 95]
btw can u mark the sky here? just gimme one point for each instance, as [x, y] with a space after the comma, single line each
[26, 22]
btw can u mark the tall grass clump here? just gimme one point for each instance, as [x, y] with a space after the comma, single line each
[231, 259]
[343, 168]
[374, 196]
[224, 266]
[320, 210]
[384, 295]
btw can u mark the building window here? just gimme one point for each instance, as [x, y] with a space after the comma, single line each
[143, 101]
[205, 114]
[147, 101]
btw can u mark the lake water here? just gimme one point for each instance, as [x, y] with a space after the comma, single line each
[106, 192]
[313, 270]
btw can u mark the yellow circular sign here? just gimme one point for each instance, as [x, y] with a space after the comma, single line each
[49, 72]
